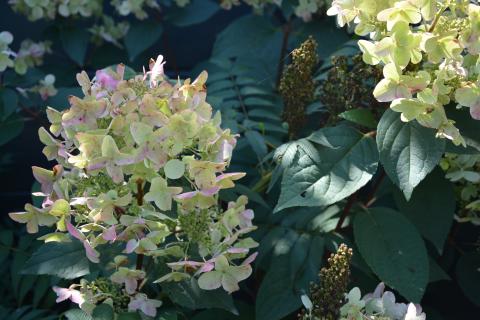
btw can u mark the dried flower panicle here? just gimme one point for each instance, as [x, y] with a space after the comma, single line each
[348, 86]
[329, 295]
[297, 85]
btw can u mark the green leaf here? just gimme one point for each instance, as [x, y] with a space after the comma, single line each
[251, 36]
[10, 128]
[189, 295]
[468, 275]
[291, 252]
[103, 312]
[6, 241]
[8, 103]
[339, 161]
[275, 298]
[431, 207]
[60, 100]
[361, 116]
[407, 150]
[65, 260]
[129, 316]
[77, 314]
[394, 250]
[257, 142]
[195, 12]
[141, 36]
[75, 43]
[436, 273]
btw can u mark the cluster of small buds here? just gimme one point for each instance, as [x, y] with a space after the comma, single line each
[329, 295]
[378, 305]
[430, 56]
[349, 86]
[29, 55]
[464, 172]
[135, 157]
[297, 86]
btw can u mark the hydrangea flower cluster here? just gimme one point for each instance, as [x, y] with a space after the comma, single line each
[464, 172]
[429, 50]
[140, 164]
[29, 55]
[379, 305]
[49, 9]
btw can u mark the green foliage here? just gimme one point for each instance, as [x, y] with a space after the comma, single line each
[330, 170]
[361, 168]
[407, 151]
[64, 260]
[394, 250]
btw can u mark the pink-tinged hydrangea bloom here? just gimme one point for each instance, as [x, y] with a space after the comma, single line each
[128, 277]
[142, 303]
[91, 253]
[110, 234]
[106, 80]
[71, 294]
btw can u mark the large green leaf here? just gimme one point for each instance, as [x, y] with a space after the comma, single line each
[193, 13]
[141, 36]
[468, 275]
[289, 276]
[8, 102]
[65, 260]
[291, 251]
[103, 312]
[408, 151]
[394, 250]
[75, 43]
[340, 161]
[10, 128]
[431, 207]
[189, 295]
[251, 38]
[77, 314]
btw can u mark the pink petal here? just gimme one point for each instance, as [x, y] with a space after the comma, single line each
[475, 111]
[92, 254]
[75, 232]
[149, 309]
[110, 234]
[186, 195]
[62, 293]
[208, 266]
[76, 297]
[132, 244]
[248, 214]
[250, 259]
[209, 192]
[130, 285]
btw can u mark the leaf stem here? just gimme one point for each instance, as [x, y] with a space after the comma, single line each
[140, 193]
[346, 210]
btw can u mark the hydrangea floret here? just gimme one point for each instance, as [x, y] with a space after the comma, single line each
[379, 305]
[429, 50]
[141, 163]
